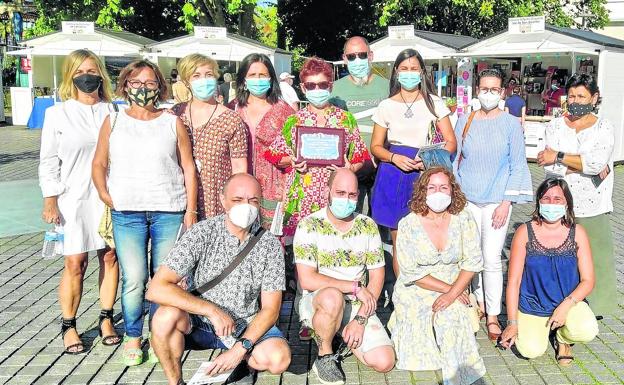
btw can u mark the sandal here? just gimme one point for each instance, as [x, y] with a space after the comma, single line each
[132, 356]
[562, 360]
[113, 339]
[66, 325]
[493, 336]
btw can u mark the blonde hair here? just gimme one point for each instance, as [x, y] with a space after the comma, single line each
[68, 90]
[188, 64]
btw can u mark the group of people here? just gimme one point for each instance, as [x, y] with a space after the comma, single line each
[193, 193]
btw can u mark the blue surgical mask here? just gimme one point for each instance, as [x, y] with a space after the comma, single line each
[342, 207]
[554, 87]
[552, 213]
[204, 88]
[358, 68]
[318, 97]
[258, 86]
[409, 80]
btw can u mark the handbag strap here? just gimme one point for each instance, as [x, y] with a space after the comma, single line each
[464, 134]
[233, 265]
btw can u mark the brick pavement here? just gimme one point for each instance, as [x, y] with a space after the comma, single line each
[30, 342]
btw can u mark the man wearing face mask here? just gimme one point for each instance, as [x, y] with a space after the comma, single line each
[334, 248]
[360, 93]
[225, 315]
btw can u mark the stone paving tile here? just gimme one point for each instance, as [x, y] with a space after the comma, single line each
[30, 342]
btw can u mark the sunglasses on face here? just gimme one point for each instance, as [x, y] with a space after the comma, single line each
[359, 55]
[311, 85]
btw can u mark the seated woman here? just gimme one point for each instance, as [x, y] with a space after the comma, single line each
[550, 274]
[438, 253]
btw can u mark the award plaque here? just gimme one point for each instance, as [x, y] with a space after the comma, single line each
[320, 146]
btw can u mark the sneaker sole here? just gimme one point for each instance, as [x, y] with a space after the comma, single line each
[323, 381]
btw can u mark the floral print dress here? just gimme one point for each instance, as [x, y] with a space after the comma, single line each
[305, 193]
[444, 340]
[215, 144]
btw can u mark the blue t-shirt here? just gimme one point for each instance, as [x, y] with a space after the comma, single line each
[515, 104]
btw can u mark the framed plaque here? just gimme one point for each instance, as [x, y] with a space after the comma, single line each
[320, 146]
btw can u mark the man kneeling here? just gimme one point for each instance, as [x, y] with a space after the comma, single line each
[226, 315]
[333, 249]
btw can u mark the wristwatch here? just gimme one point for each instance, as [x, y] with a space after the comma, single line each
[247, 344]
[360, 319]
[560, 156]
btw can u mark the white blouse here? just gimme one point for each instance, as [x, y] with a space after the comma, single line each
[68, 139]
[144, 172]
[408, 131]
[595, 146]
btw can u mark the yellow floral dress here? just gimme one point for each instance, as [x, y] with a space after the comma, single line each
[445, 340]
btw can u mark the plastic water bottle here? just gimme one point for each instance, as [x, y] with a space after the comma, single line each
[53, 243]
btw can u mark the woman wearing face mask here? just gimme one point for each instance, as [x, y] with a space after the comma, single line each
[259, 104]
[412, 117]
[217, 133]
[306, 187]
[579, 148]
[550, 275]
[143, 170]
[552, 96]
[67, 146]
[491, 167]
[438, 253]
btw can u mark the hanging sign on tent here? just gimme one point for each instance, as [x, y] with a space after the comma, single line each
[522, 25]
[25, 64]
[401, 32]
[78, 27]
[211, 32]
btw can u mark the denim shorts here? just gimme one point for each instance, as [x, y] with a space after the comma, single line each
[202, 335]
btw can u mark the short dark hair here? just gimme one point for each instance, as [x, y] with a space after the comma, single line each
[242, 93]
[135, 67]
[569, 218]
[585, 80]
[491, 73]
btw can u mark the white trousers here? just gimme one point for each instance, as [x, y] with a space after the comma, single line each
[490, 282]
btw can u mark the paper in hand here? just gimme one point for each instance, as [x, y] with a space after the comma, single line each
[200, 377]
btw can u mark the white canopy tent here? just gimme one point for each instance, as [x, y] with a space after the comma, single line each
[218, 44]
[46, 54]
[526, 38]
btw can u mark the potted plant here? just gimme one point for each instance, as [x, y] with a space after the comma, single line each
[451, 103]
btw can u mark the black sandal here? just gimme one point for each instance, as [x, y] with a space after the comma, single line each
[66, 325]
[560, 358]
[111, 340]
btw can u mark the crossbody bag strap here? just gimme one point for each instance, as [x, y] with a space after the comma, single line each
[464, 134]
[233, 265]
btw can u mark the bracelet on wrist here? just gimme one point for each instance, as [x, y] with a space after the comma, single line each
[391, 156]
[512, 322]
[574, 300]
[192, 211]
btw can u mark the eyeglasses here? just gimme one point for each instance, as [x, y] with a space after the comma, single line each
[493, 90]
[149, 84]
[311, 85]
[360, 55]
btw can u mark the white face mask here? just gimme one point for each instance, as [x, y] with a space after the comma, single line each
[438, 201]
[243, 215]
[489, 101]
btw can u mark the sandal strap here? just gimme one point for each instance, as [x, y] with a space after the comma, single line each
[79, 344]
[67, 324]
[106, 314]
[565, 358]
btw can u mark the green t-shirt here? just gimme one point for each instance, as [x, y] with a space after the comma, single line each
[354, 98]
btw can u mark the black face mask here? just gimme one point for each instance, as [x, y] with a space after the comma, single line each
[578, 109]
[87, 83]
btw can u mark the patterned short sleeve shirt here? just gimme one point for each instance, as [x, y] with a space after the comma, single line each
[345, 256]
[207, 249]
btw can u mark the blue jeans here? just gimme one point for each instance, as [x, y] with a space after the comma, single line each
[132, 230]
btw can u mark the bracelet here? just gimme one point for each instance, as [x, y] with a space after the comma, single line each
[512, 322]
[192, 211]
[391, 156]
[572, 299]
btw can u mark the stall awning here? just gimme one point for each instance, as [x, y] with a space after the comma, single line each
[218, 44]
[551, 40]
[431, 45]
[102, 42]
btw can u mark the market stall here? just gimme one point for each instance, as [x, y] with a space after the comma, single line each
[534, 53]
[227, 48]
[43, 57]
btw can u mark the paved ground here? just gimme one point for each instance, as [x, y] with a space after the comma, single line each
[30, 342]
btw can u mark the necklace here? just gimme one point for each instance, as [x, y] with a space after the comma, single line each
[409, 113]
[190, 105]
